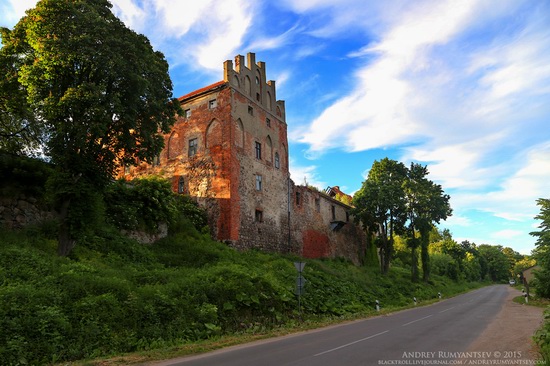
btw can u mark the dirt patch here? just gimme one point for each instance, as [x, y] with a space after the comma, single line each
[511, 331]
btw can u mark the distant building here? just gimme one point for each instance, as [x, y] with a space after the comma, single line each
[229, 150]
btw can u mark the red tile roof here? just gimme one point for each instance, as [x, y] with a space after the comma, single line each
[202, 90]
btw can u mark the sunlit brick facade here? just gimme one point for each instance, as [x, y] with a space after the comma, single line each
[229, 150]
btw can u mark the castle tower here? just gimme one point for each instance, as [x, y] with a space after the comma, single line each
[229, 150]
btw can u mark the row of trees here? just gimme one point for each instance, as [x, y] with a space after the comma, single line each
[87, 94]
[542, 250]
[398, 201]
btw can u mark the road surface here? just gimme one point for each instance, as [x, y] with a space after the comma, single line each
[440, 332]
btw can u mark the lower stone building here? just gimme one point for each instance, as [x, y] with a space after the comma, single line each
[229, 150]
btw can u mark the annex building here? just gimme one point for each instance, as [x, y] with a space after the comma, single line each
[229, 151]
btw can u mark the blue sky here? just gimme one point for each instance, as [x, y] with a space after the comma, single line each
[460, 86]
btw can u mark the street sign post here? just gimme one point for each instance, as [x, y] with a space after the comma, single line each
[300, 283]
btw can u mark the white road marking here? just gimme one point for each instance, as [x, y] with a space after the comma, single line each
[417, 320]
[349, 344]
[447, 309]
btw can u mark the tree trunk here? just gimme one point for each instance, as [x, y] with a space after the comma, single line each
[65, 242]
[414, 263]
[424, 237]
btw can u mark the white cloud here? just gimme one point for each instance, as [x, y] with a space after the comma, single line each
[305, 174]
[13, 10]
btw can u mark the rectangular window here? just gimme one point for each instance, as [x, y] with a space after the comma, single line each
[258, 150]
[250, 110]
[277, 161]
[347, 216]
[318, 204]
[193, 143]
[298, 199]
[259, 216]
[258, 182]
[212, 104]
[268, 122]
[187, 113]
[333, 209]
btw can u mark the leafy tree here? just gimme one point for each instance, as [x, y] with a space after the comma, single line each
[542, 250]
[380, 205]
[96, 89]
[495, 262]
[426, 205]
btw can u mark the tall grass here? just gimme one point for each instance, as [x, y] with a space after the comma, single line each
[113, 295]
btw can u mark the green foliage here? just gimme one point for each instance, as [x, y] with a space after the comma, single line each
[542, 338]
[495, 264]
[112, 295]
[22, 175]
[96, 108]
[542, 250]
[145, 203]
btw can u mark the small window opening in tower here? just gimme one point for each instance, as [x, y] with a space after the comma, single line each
[258, 150]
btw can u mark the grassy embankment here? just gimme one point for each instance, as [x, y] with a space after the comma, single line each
[184, 294]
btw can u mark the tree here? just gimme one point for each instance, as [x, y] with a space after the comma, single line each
[542, 250]
[98, 91]
[380, 205]
[426, 205]
[495, 263]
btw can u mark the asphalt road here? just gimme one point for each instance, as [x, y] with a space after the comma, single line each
[430, 332]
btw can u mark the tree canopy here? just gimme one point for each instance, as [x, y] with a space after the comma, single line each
[380, 205]
[95, 93]
[396, 200]
[542, 250]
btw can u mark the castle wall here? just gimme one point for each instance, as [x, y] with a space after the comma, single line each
[229, 150]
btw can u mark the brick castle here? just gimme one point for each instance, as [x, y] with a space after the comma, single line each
[229, 150]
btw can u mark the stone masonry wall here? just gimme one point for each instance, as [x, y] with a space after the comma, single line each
[20, 211]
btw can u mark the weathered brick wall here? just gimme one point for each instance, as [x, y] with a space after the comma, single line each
[324, 227]
[222, 175]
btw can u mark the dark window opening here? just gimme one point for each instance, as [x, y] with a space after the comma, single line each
[250, 110]
[298, 199]
[333, 209]
[258, 150]
[212, 104]
[277, 161]
[181, 185]
[193, 143]
[258, 182]
[259, 216]
[318, 204]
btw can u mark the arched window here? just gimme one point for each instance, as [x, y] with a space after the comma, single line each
[213, 134]
[268, 101]
[171, 148]
[239, 133]
[235, 81]
[247, 86]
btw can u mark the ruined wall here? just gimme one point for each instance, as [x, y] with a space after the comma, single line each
[240, 171]
[324, 226]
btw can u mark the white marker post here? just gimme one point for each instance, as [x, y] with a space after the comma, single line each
[414, 298]
[526, 298]
[377, 305]
[439, 295]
